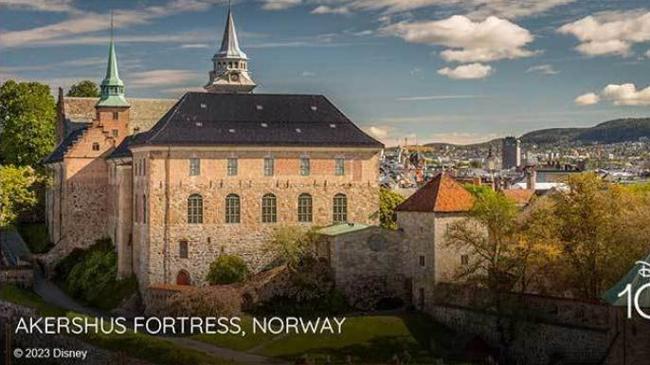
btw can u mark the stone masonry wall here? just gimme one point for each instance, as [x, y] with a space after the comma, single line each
[166, 184]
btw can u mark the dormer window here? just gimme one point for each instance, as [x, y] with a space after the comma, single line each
[95, 146]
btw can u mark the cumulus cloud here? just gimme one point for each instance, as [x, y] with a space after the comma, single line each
[468, 41]
[467, 72]
[280, 4]
[623, 94]
[609, 33]
[543, 69]
[587, 99]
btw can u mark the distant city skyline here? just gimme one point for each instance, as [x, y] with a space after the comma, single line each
[431, 70]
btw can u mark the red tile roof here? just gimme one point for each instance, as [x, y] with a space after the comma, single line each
[442, 194]
[520, 196]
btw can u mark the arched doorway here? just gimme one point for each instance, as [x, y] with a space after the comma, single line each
[183, 278]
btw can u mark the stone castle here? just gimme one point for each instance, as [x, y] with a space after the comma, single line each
[175, 184]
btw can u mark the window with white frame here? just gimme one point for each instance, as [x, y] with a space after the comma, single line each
[232, 166]
[195, 166]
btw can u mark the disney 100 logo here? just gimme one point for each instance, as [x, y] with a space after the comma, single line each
[633, 298]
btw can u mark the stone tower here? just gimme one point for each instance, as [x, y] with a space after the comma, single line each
[230, 65]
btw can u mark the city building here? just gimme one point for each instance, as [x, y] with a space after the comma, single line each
[511, 153]
[215, 174]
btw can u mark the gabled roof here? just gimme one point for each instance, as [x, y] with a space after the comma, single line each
[60, 150]
[209, 119]
[442, 194]
[520, 196]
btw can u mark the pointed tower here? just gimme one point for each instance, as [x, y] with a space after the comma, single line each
[112, 109]
[230, 64]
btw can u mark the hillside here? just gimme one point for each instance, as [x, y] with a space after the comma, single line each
[618, 130]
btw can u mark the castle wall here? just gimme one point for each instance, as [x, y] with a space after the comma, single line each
[167, 185]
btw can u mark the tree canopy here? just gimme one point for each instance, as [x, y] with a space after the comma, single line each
[16, 193]
[85, 89]
[27, 122]
[388, 201]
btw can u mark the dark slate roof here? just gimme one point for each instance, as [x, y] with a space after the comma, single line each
[60, 150]
[256, 119]
[123, 150]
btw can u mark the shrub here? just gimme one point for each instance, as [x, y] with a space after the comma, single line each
[35, 236]
[91, 276]
[227, 269]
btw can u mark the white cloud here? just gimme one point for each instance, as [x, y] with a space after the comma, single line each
[195, 45]
[324, 9]
[467, 72]
[379, 132]
[40, 5]
[468, 41]
[610, 33]
[82, 22]
[622, 95]
[161, 77]
[307, 74]
[587, 99]
[543, 69]
[280, 4]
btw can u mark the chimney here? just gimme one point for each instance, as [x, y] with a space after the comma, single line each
[531, 177]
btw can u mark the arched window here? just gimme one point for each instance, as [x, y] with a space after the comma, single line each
[340, 208]
[269, 209]
[305, 208]
[195, 209]
[233, 209]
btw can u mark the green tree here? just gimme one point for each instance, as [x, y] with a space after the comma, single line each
[388, 201]
[84, 89]
[27, 115]
[227, 269]
[290, 244]
[16, 193]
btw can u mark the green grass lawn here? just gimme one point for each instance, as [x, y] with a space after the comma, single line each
[141, 346]
[365, 338]
[35, 236]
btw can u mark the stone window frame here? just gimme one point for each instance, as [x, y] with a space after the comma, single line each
[233, 209]
[305, 208]
[195, 166]
[195, 209]
[269, 166]
[232, 166]
[183, 249]
[340, 208]
[304, 166]
[269, 208]
[339, 166]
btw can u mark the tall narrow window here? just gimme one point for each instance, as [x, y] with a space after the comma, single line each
[232, 166]
[269, 209]
[195, 209]
[115, 132]
[305, 208]
[136, 215]
[304, 166]
[340, 208]
[195, 166]
[183, 249]
[116, 115]
[144, 209]
[339, 167]
[268, 166]
[233, 209]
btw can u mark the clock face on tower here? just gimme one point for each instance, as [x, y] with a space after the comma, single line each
[234, 77]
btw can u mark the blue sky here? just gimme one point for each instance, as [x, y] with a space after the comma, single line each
[432, 70]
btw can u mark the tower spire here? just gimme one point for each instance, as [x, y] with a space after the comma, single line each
[112, 87]
[230, 64]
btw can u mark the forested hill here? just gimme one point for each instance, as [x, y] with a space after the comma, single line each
[618, 130]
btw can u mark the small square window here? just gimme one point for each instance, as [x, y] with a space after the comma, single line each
[422, 262]
[304, 166]
[95, 146]
[116, 115]
[115, 132]
[195, 167]
[232, 167]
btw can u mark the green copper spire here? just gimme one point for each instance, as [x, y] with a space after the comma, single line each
[112, 87]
